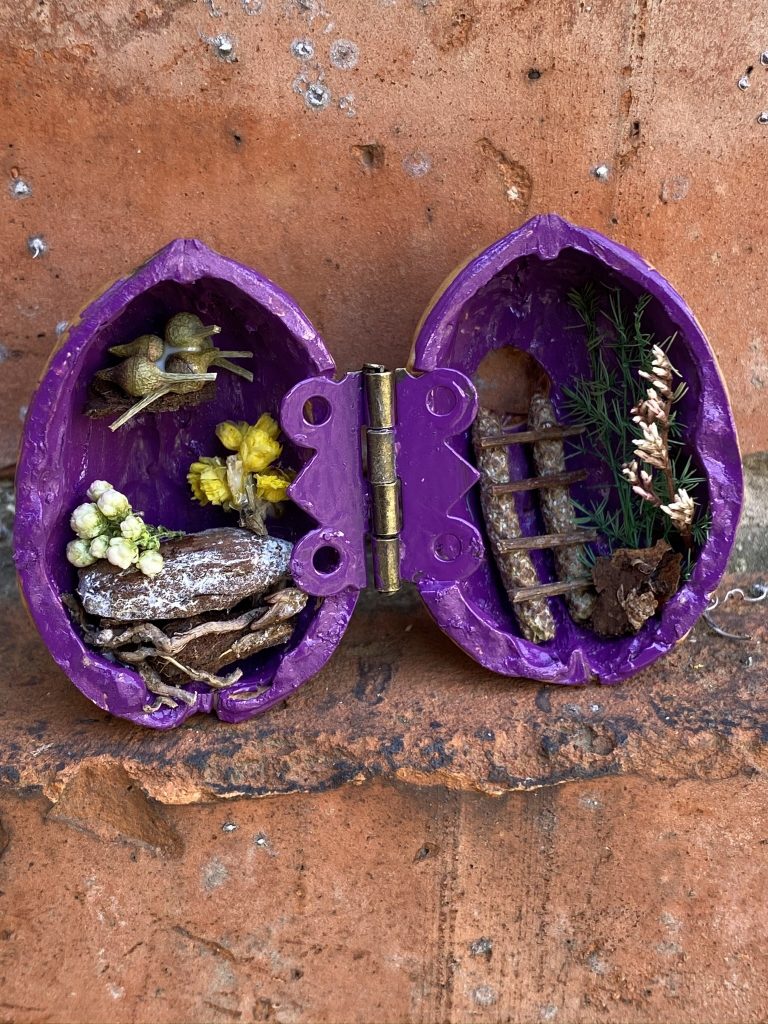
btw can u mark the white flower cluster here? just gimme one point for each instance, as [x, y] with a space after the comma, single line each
[107, 527]
[653, 411]
[641, 481]
[661, 372]
[652, 416]
[652, 447]
[681, 510]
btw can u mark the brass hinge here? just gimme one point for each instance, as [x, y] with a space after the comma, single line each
[386, 515]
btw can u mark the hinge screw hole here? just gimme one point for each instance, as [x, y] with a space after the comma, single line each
[316, 410]
[447, 547]
[326, 560]
[441, 401]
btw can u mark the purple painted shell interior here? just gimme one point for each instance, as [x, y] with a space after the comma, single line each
[63, 451]
[513, 294]
[516, 294]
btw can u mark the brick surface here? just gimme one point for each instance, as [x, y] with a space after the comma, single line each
[432, 843]
[399, 700]
[459, 120]
[615, 900]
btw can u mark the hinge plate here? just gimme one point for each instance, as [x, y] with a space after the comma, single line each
[410, 460]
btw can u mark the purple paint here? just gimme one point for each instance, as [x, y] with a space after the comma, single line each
[330, 487]
[514, 293]
[432, 409]
[63, 451]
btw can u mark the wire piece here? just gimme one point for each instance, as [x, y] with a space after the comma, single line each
[759, 593]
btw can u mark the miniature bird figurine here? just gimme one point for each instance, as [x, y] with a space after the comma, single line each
[187, 331]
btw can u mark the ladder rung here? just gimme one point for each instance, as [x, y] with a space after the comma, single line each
[536, 483]
[550, 589]
[525, 436]
[547, 540]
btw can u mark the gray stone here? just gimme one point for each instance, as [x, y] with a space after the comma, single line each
[208, 571]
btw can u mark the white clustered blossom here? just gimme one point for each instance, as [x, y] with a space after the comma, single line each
[151, 563]
[661, 371]
[97, 488]
[107, 527]
[641, 481]
[652, 448]
[132, 527]
[99, 546]
[87, 521]
[650, 410]
[114, 505]
[681, 510]
[649, 414]
[122, 553]
[78, 553]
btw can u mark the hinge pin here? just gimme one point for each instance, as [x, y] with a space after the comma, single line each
[382, 476]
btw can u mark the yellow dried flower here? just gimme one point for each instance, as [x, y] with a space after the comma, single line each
[260, 447]
[272, 487]
[268, 425]
[208, 480]
[231, 434]
[193, 476]
[213, 482]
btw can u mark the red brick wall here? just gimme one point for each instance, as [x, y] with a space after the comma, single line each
[130, 129]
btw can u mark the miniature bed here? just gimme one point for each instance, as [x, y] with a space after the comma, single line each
[199, 499]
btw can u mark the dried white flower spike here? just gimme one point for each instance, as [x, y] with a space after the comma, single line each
[652, 447]
[681, 510]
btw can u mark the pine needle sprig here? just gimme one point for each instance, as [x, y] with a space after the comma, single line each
[618, 346]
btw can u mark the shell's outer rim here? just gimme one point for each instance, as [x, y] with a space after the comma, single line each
[546, 236]
[111, 687]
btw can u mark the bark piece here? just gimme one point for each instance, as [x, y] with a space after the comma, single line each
[557, 507]
[107, 399]
[212, 570]
[502, 524]
[632, 585]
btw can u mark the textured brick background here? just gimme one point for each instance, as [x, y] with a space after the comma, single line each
[410, 838]
[447, 124]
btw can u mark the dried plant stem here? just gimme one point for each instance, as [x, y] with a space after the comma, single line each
[199, 675]
[502, 524]
[653, 414]
[148, 632]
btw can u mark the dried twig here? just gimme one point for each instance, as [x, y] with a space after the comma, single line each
[502, 524]
[557, 508]
[167, 696]
[283, 605]
[199, 675]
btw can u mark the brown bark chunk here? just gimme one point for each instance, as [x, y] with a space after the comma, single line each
[632, 585]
